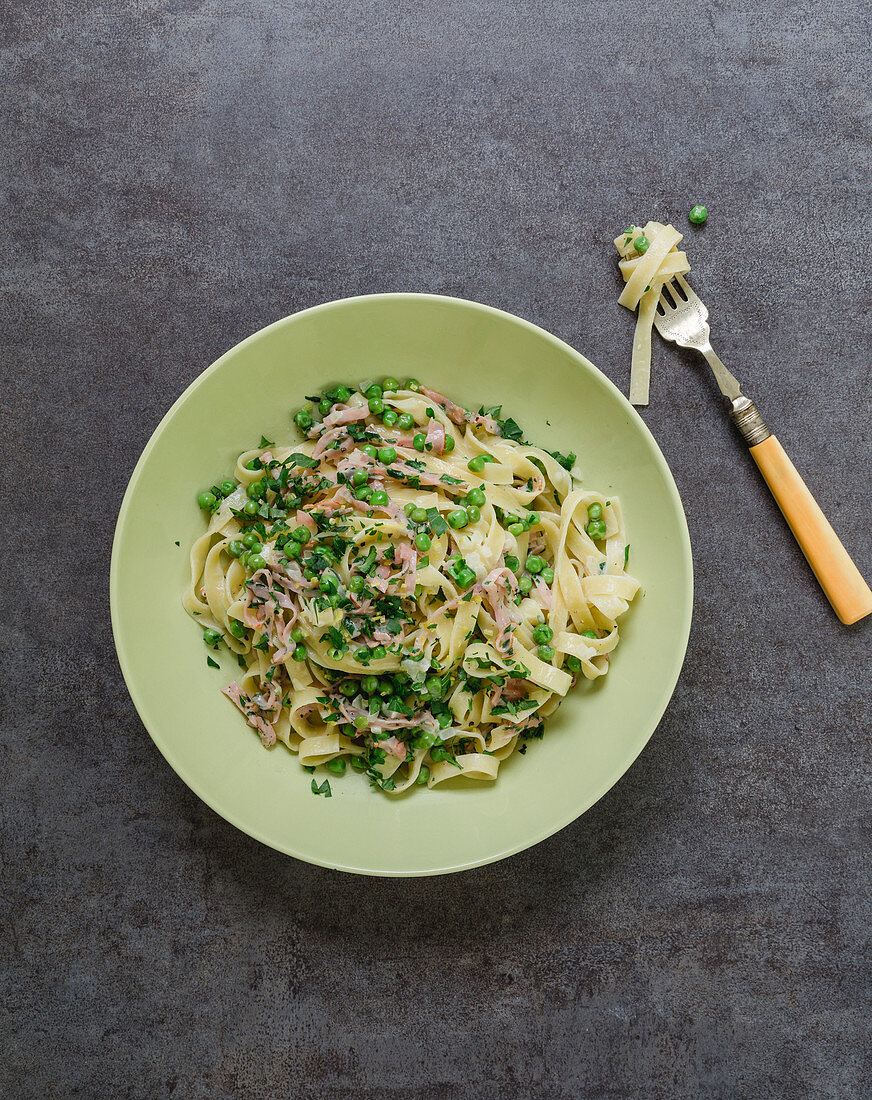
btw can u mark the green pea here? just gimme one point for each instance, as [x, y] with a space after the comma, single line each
[390, 385]
[293, 550]
[449, 444]
[476, 464]
[301, 535]
[419, 441]
[596, 529]
[207, 500]
[412, 384]
[373, 390]
[444, 720]
[525, 584]
[387, 455]
[251, 507]
[360, 722]
[300, 653]
[255, 562]
[324, 406]
[419, 515]
[405, 421]
[595, 510]
[516, 529]
[473, 513]
[349, 688]
[512, 563]
[589, 634]
[422, 541]
[642, 244]
[698, 214]
[390, 417]
[364, 492]
[303, 420]
[423, 776]
[434, 686]
[379, 498]
[376, 406]
[211, 637]
[235, 548]
[532, 519]
[369, 684]
[379, 653]
[546, 652]
[368, 449]
[309, 574]
[359, 477]
[457, 518]
[542, 634]
[573, 663]
[255, 490]
[297, 635]
[356, 584]
[408, 508]
[475, 496]
[228, 487]
[424, 740]
[249, 539]
[327, 582]
[547, 575]
[342, 394]
[535, 564]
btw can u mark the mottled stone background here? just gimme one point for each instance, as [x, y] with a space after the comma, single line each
[177, 174]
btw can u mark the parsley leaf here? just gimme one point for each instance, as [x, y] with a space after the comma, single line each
[437, 523]
[211, 663]
[264, 442]
[323, 789]
[303, 460]
[567, 461]
[511, 430]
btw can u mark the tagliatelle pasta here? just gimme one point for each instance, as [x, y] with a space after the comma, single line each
[412, 589]
[645, 271]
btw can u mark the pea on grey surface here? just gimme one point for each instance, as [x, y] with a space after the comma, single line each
[180, 173]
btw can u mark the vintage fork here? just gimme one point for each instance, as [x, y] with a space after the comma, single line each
[684, 320]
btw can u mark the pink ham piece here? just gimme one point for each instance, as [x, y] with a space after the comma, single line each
[495, 588]
[305, 520]
[327, 439]
[347, 414]
[394, 747]
[436, 436]
[513, 690]
[488, 423]
[408, 560]
[454, 412]
[267, 733]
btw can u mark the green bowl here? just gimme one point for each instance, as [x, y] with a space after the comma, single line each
[476, 355]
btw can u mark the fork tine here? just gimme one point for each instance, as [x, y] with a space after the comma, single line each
[668, 286]
[685, 286]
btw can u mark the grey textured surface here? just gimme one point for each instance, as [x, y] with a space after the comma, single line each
[177, 174]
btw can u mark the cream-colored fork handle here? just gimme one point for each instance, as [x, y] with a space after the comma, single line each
[838, 576]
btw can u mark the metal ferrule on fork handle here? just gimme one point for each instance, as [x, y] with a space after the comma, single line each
[748, 420]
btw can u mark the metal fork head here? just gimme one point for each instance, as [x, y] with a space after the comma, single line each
[684, 320]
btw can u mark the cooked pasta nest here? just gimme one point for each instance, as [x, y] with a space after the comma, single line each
[411, 590]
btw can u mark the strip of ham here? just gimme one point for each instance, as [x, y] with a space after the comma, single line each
[267, 733]
[408, 560]
[345, 414]
[436, 436]
[488, 423]
[454, 412]
[328, 439]
[394, 747]
[495, 588]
